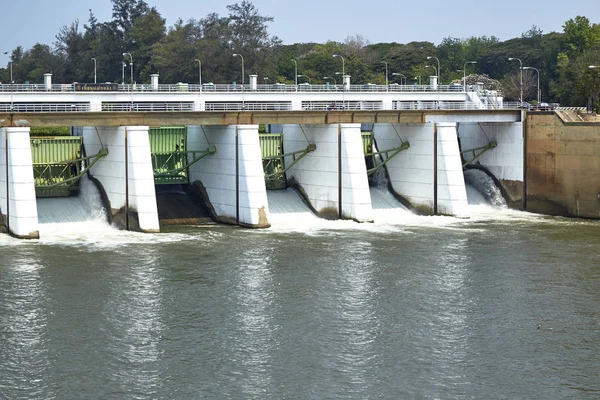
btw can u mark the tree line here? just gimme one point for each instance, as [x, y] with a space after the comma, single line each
[179, 52]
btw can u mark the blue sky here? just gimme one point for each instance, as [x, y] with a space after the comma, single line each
[27, 22]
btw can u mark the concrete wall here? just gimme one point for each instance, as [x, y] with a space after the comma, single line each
[244, 203]
[318, 173]
[21, 207]
[505, 161]
[563, 167]
[110, 172]
[411, 172]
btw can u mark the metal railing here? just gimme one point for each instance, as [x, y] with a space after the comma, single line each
[231, 88]
[250, 106]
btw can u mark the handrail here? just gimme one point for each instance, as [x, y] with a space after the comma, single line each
[255, 106]
[231, 88]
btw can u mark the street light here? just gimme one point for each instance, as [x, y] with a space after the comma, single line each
[419, 78]
[465, 74]
[438, 68]
[304, 76]
[521, 68]
[123, 71]
[436, 71]
[242, 58]
[11, 67]
[343, 63]
[593, 83]
[94, 69]
[331, 77]
[295, 71]
[539, 94]
[199, 72]
[401, 76]
[387, 85]
[130, 64]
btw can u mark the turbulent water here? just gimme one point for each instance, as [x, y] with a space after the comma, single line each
[502, 305]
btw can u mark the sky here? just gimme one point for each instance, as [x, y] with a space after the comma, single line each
[27, 22]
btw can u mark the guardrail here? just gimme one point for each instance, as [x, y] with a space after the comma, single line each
[245, 106]
[229, 88]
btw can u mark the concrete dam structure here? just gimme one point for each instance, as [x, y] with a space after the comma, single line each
[156, 150]
[227, 167]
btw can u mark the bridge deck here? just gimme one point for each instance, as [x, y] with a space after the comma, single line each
[168, 118]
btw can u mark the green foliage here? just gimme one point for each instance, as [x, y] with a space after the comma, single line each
[49, 131]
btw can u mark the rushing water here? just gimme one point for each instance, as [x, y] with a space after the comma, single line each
[407, 307]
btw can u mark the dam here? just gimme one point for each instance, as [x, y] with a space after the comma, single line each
[171, 154]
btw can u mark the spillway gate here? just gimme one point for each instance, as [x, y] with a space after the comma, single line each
[170, 156]
[59, 163]
[273, 156]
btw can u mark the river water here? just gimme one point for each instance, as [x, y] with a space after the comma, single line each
[503, 305]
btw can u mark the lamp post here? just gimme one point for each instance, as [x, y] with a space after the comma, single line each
[539, 93]
[401, 76]
[94, 69]
[436, 71]
[593, 84]
[304, 76]
[331, 77]
[123, 71]
[465, 74]
[521, 68]
[11, 67]
[419, 78]
[295, 72]
[199, 72]
[438, 68]
[130, 65]
[343, 63]
[387, 85]
[242, 58]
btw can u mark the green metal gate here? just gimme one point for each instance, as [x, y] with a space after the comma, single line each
[271, 147]
[169, 155]
[56, 165]
[377, 159]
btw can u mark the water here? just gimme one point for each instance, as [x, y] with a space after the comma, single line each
[406, 308]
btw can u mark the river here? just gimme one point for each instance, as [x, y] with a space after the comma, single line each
[503, 305]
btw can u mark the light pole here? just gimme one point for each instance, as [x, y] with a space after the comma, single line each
[94, 69]
[130, 64]
[199, 72]
[593, 84]
[436, 71]
[539, 93]
[295, 72]
[419, 78]
[242, 58]
[401, 76]
[304, 76]
[331, 77]
[343, 64]
[387, 84]
[123, 71]
[438, 68]
[521, 68]
[465, 74]
[11, 67]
